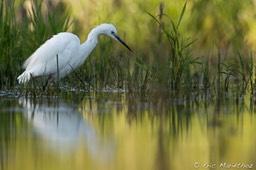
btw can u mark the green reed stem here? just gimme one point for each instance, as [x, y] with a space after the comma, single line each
[58, 73]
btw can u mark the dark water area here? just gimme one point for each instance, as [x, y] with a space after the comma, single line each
[114, 131]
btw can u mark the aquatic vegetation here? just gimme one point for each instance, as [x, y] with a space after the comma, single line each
[177, 65]
[168, 69]
[10, 47]
[21, 35]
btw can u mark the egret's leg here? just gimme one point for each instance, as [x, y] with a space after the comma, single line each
[45, 84]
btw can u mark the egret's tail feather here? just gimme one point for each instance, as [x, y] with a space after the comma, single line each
[24, 77]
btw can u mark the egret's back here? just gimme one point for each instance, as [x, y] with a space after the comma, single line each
[43, 62]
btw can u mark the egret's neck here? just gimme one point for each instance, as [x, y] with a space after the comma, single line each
[91, 42]
[94, 34]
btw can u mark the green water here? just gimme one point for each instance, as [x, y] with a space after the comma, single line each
[111, 131]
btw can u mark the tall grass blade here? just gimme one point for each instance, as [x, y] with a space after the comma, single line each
[58, 73]
[251, 68]
[181, 15]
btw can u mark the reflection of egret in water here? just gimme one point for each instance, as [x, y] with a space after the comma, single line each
[63, 128]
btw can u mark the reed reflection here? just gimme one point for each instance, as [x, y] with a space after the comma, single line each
[115, 132]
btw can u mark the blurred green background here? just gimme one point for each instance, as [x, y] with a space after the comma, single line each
[219, 33]
[216, 23]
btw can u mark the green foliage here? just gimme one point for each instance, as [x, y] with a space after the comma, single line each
[221, 23]
[174, 73]
[166, 66]
[9, 44]
[19, 38]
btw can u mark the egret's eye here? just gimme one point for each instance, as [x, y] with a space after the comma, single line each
[112, 32]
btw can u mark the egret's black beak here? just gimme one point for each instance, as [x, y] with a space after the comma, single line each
[121, 41]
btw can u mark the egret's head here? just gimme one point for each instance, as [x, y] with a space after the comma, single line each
[110, 30]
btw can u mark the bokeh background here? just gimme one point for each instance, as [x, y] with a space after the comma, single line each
[216, 23]
[219, 33]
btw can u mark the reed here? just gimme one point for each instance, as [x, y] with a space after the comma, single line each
[20, 36]
[58, 75]
[174, 72]
[10, 45]
[251, 75]
[166, 68]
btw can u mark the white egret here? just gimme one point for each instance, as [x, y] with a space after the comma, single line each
[70, 52]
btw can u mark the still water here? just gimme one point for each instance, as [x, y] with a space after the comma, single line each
[111, 131]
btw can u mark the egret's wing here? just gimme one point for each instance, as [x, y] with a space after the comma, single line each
[43, 60]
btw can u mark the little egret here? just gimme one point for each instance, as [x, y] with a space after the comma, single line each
[66, 49]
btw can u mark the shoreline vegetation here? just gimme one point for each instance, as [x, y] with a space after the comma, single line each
[173, 68]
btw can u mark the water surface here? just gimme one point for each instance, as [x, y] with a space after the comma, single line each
[112, 131]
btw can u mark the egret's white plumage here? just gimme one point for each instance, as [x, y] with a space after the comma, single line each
[71, 53]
